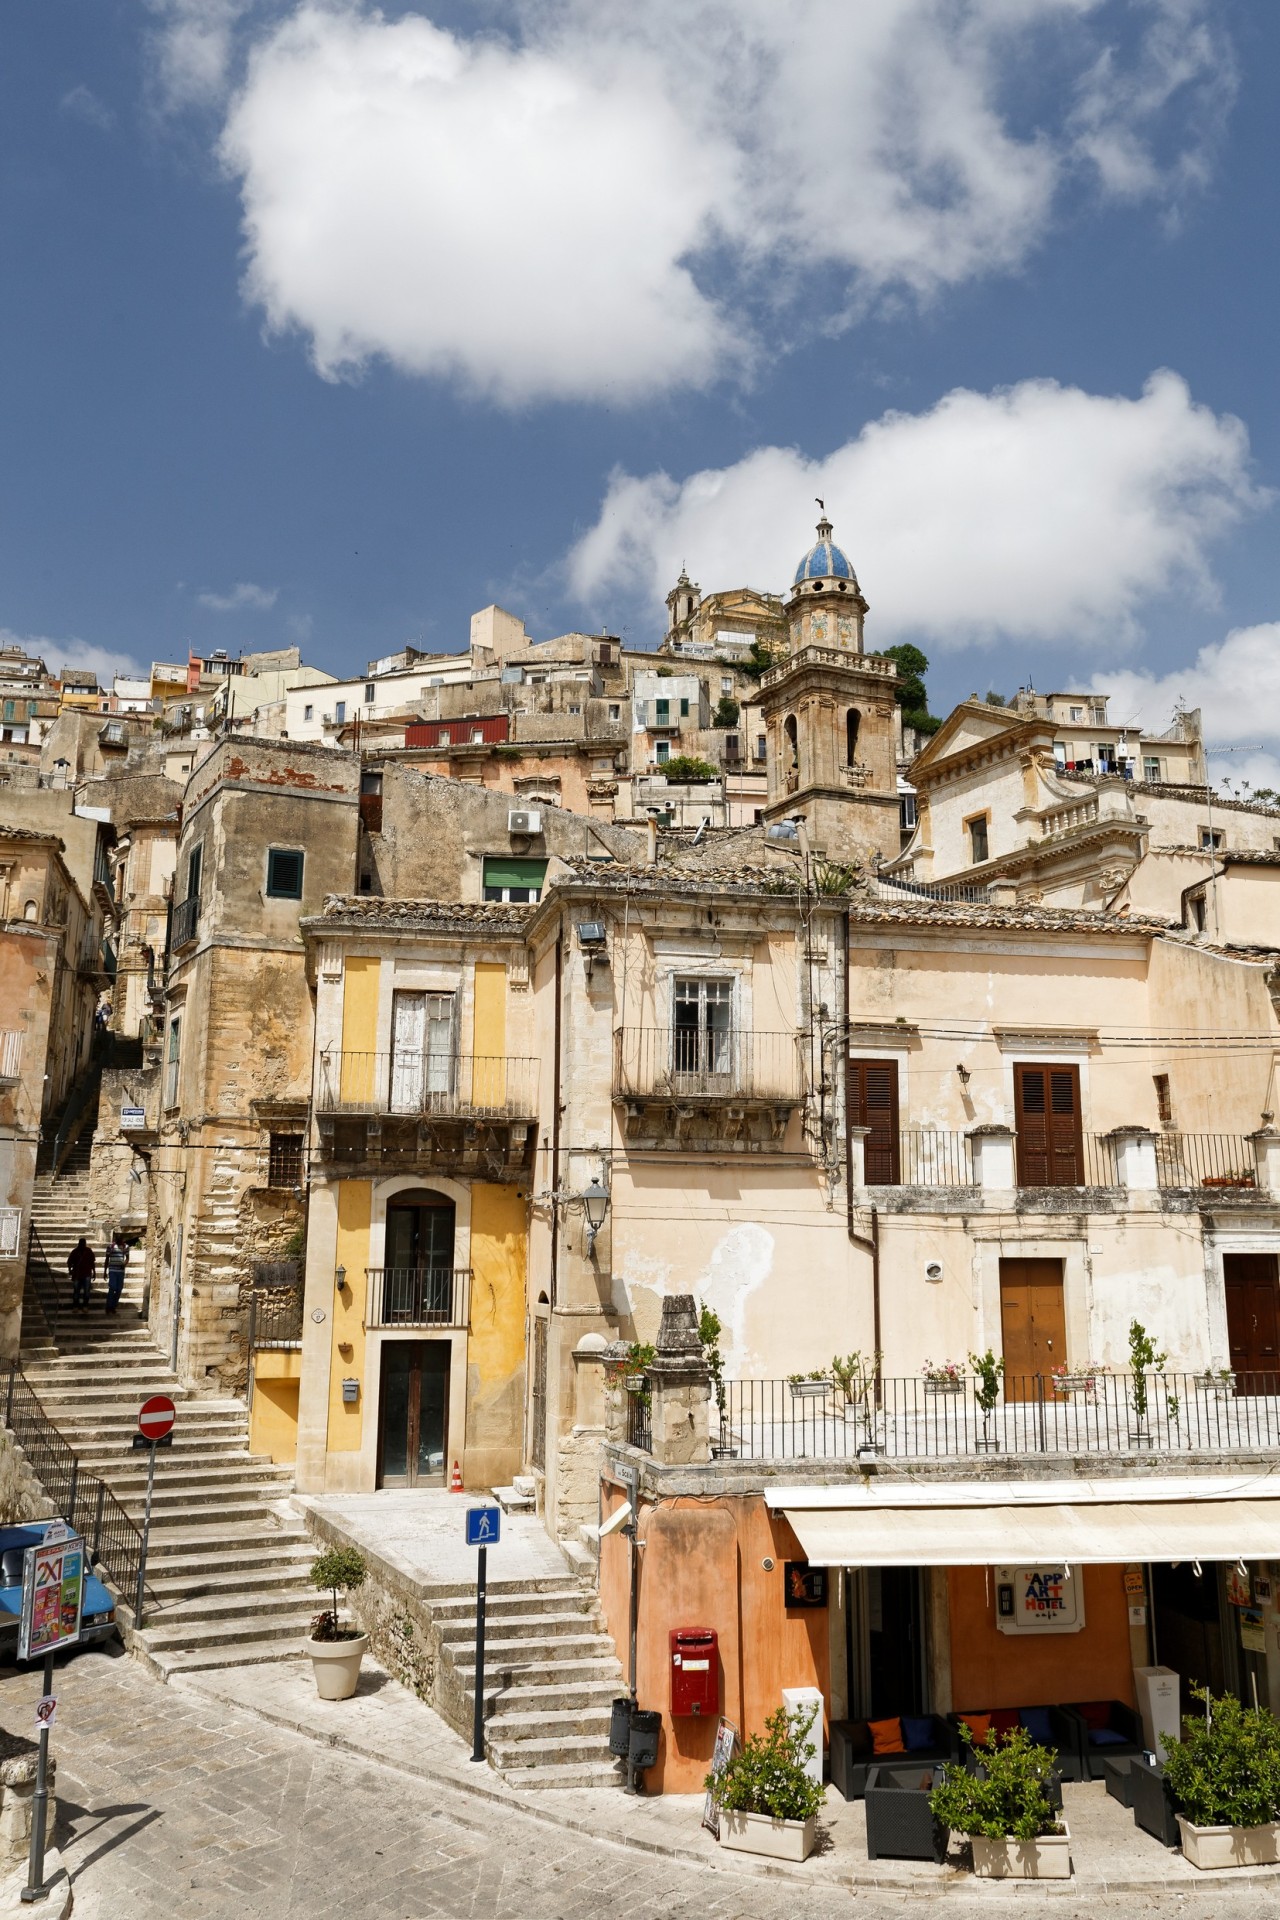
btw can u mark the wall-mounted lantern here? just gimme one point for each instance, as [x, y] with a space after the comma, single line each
[595, 1204]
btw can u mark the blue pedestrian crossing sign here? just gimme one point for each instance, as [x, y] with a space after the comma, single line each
[483, 1524]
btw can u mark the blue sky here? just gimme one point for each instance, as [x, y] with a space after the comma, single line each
[325, 324]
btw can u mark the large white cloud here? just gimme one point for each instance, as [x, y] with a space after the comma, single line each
[1236, 685]
[1038, 512]
[59, 655]
[620, 199]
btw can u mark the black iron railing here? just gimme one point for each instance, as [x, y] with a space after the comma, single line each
[1090, 1412]
[186, 921]
[444, 1085]
[1224, 1160]
[418, 1297]
[639, 1425]
[707, 1065]
[275, 1316]
[82, 1499]
[42, 1285]
[932, 1157]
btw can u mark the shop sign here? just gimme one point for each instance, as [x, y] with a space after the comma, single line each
[1039, 1600]
[804, 1586]
[1262, 1589]
[721, 1755]
[1253, 1635]
[1135, 1583]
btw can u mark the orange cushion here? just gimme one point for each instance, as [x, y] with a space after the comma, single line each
[979, 1725]
[886, 1736]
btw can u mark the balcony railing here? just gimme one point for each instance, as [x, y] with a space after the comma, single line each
[1035, 1414]
[418, 1297]
[1223, 1160]
[275, 1317]
[924, 1157]
[702, 1066]
[444, 1085]
[186, 921]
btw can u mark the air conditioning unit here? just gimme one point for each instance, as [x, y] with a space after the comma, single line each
[524, 820]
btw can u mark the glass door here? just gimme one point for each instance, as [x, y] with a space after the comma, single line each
[702, 1029]
[413, 1413]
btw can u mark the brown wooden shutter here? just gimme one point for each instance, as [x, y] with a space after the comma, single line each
[1047, 1116]
[873, 1103]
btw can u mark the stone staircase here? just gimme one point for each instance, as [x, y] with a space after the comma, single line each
[228, 1561]
[550, 1675]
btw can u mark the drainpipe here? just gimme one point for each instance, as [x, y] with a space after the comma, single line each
[555, 1124]
[872, 1245]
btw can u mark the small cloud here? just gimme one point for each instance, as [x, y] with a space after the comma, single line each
[58, 655]
[243, 596]
[300, 625]
[83, 104]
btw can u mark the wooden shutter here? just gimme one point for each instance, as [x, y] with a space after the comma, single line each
[873, 1103]
[1047, 1116]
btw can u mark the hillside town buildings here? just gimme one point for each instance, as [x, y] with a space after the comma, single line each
[786, 1146]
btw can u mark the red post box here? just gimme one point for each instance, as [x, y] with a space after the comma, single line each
[695, 1671]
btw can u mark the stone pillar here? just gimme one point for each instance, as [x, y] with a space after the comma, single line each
[858, 1155]
[614, 1392]
[17, 1797]
[680, 1385]
[1135, 1158]
[590, 1394]
[1266, 1153]
[992, 1148]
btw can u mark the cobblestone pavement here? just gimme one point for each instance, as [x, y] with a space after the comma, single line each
[177, 1807]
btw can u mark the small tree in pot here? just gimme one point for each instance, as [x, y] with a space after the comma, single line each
[767, 1801]
[1224, 1775]
[1005, 1809]
[336, 1650]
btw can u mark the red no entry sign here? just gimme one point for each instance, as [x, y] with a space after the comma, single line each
[155, 1417]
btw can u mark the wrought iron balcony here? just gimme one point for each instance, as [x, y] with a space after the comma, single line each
[275, 1313]
[418, 1297]
[702, 1066]
[186, 921]
[444, 1086]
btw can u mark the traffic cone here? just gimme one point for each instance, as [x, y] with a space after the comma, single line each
[455, 1479]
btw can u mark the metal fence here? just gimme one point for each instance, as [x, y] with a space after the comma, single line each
[84, 1501]
[1089, 1413]
[186, 921]
[639, 1426]
[418, 1297]
[1224, 1160]
[707, 1064]
[275, 1317]
[932, 1157]
[929, 1157]
[441, 1084]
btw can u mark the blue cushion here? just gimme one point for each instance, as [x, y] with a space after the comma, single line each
[917, 1734]
[1107, 1737]
[1036, 1722]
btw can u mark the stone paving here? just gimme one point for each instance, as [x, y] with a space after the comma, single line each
[420, 1532]
[179, 1805]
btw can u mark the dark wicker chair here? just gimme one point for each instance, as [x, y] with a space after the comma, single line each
[1064, 1734]
[900, 1822]
[852, 1755]
[1117, 1738]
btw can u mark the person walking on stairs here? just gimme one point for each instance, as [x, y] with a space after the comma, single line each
[82, 1266]
[115, 1265]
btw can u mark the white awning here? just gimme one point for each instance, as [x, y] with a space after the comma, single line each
[1028, 1523]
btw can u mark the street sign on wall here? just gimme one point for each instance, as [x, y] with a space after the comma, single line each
[52, 1598]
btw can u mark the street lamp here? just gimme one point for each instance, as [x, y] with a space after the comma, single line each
[595, 1204]
[340, 1278]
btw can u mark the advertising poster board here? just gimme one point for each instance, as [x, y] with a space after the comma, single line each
[52, 1597]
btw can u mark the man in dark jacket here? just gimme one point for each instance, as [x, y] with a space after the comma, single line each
[115, 1265]
[82, 1266]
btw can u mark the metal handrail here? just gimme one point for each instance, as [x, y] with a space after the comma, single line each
[418, 1297]
[707, 1065]
[82, 1499]
[275, 1317]
[186, 921]
[44, 1283]
[421, 1084]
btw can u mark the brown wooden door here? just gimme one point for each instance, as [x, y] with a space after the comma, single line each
[1046, 1104]
[1033, 1323]
[1253, 1319]
[873, 1103]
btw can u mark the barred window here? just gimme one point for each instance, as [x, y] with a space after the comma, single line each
[284, 1160]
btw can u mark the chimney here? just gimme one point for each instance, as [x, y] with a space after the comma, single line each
[1003, 892]
[653, 841]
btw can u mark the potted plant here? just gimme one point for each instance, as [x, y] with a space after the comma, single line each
[709, 1330]
[1004, 1809]
[336, 1650]
[1069, 1380]
[1144, 1358]
[767, 1802]
[809, 1386]
[988, 1373]
[1218, 1382]
[946, 1377]
[1224, 1774]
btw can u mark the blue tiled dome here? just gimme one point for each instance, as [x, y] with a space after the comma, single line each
[824, 560]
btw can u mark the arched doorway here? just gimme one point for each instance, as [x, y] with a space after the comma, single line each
[417, 1291]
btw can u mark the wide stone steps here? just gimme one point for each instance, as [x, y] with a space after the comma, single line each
[500, 1605]
[237, 1629]
[517, 1629]
[230, 1653]
[231, 1538]
[187, 1590]
[566, 1696]
[591, 1724]
[511, 1757]
[571, 1773]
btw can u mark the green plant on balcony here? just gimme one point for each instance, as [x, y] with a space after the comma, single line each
[855, 1375]
[1144, 1358]
[685, 769]
[709, 1331]
[988, 1372]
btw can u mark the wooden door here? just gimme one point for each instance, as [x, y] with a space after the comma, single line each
[1253, 1319]
[1033, 1323]
[1046, 1104]
[413, 1413]
[873, 1103]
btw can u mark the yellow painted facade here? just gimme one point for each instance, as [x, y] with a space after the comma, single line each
[361, 978]
[273, 1417]
[495, 1349]
[355, 1212]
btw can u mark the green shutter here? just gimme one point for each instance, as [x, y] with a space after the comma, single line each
[514, 873]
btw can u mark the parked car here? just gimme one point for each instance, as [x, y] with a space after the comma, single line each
[98, 1616]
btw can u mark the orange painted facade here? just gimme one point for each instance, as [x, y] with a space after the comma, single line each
[994, 1669]
[702, 1566]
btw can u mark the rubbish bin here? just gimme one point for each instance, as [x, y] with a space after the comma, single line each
[620, 1728]
[643, 1749]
